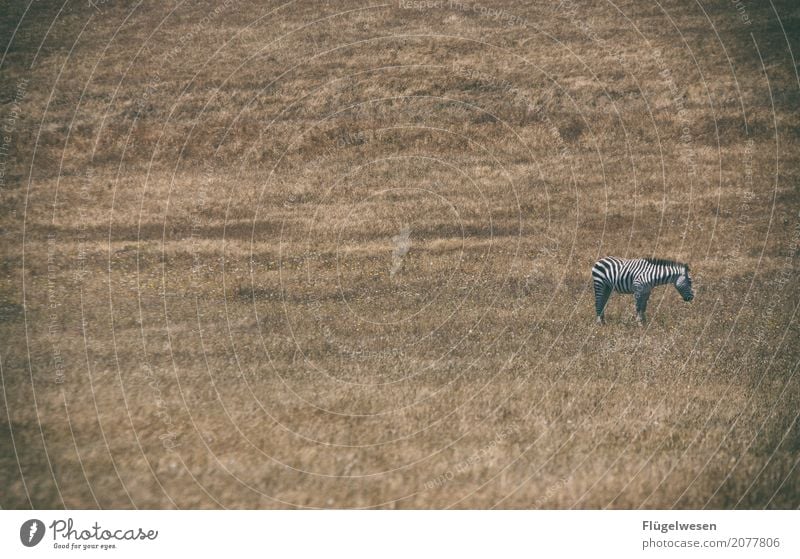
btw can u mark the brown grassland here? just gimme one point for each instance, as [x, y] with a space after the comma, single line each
[337, 254]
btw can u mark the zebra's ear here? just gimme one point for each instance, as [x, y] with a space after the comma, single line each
[687, 268]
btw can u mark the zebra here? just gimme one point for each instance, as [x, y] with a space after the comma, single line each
[638, 276]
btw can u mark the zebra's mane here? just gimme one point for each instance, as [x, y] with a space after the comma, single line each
[665, 262]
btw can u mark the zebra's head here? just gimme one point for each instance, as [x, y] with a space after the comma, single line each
[684, 285]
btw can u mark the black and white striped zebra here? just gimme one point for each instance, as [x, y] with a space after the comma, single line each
[638, 276]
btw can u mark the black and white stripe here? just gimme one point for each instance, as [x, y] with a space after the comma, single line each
[638, 276]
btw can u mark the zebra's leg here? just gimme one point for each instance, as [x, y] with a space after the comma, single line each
[642, 294]
[601, 294]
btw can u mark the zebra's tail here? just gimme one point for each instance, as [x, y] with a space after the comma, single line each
[602, 287]
[599, 272]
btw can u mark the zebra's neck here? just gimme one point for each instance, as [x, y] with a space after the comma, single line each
[666, 274]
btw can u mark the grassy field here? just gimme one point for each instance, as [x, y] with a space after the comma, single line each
[337, 254]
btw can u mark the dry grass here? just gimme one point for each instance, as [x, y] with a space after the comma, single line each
[199, 307]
